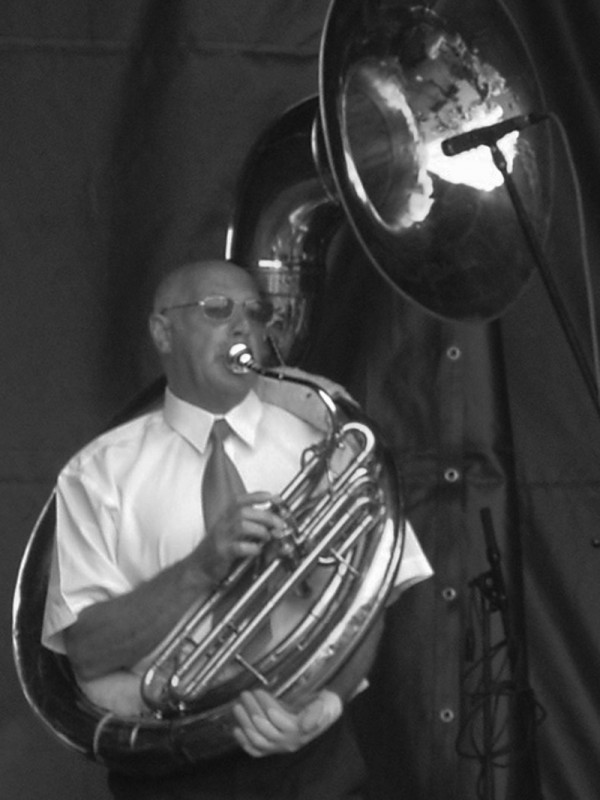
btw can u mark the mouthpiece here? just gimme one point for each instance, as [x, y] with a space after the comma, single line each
[240, 358]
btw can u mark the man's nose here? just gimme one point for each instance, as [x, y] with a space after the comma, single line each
[239, 322]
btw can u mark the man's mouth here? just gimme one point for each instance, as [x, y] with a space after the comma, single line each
[240, 358]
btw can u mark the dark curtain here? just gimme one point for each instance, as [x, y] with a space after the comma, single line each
[124, 128]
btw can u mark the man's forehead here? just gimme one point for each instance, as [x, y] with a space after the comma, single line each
[195, 281]
[217, 280]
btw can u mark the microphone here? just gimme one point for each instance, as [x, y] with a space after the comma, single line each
[488, 135]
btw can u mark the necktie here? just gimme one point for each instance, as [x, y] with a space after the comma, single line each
[222, 482]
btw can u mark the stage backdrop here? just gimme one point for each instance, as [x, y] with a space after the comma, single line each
[124, 127]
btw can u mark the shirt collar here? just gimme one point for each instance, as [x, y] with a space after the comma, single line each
[195, 423]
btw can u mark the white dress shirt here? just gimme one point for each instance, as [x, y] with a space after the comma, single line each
[129, 504]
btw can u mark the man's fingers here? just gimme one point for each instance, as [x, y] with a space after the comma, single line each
[245, 743]
[282, 720]
[264, 725]
[313, 715]
[322, 712]
[260, 705]
[256, 733]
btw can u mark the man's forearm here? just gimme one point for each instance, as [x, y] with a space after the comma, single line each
[117, 633]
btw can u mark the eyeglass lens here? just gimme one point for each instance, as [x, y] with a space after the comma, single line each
[221, 307]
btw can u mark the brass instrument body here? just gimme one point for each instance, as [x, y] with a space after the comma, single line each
[396, 78]
[346, 510]
[330, 511]
[285, 215]
[346, 544]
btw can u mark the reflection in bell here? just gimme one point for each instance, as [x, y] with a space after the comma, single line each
[397, 80]
[386, 160]
[291, 290]
[282, 225]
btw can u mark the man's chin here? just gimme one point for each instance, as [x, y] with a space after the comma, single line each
[237, 385]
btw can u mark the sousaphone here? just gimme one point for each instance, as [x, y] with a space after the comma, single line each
[396, 81]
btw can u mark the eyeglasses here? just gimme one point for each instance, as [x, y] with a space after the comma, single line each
[219, 308]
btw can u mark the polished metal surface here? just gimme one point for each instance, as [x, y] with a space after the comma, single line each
[282, 224]
[326, 577]
[335, 572]
[396, 80]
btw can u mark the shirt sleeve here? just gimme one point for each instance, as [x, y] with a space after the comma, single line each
[84, 567]
[414, 565]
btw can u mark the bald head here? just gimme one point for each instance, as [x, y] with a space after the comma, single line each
[194, 346]
[181, 285]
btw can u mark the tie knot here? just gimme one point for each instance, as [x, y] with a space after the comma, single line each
[220, 430]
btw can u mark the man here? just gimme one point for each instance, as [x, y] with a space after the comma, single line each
[133, 552]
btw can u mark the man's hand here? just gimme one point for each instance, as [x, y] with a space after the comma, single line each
[266, 726]
[242, 530]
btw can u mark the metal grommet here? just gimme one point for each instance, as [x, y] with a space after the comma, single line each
[451, 475]
[449, 594]
[447, 715]
[454, 353]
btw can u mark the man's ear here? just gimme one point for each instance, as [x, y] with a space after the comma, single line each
[160, 331]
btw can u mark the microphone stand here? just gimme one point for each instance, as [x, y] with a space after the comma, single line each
[592, 387]
[491, 586]
[493, 597]
[549, 282]
[486, 596]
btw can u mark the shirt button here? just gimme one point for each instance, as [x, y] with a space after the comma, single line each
[449, 594]
[447, 715]
[451, 475]
[453, 353]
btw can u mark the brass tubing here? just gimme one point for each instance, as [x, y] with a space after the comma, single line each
[319, 516]
[195, 682]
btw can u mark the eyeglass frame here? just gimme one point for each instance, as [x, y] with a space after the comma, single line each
[233, 305]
